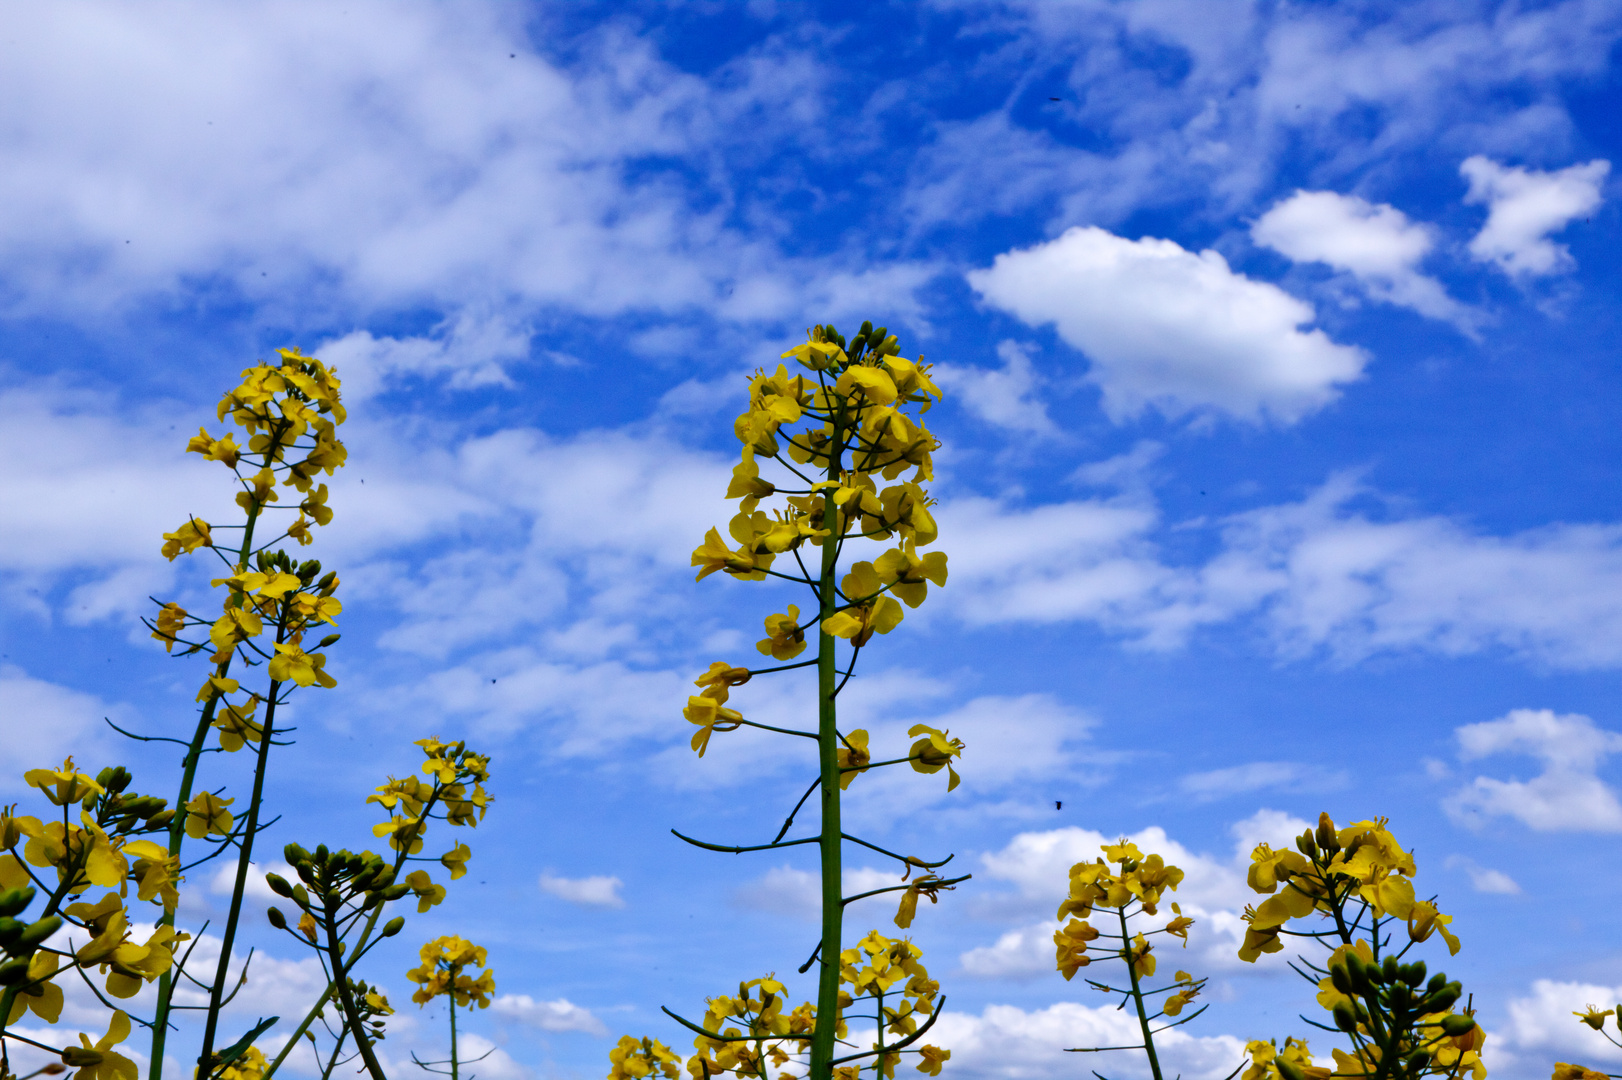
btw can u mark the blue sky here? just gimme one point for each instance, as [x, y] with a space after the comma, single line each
[1278, 468]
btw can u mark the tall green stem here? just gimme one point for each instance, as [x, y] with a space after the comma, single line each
[239, 888]
[454, 1066]
[177, 826]
[1137, 996]
[833, 908]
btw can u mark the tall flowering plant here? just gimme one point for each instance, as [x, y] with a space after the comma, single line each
[103, 858]
[830, 458]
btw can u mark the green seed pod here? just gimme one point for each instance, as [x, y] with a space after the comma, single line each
[1457, 1024]
[1391, 970]
[326, 582]
[31, 938]
[1289, 1069]
[1414, 973]
[1444, 998]
[301, 897]
[373, 899]
[1341, 980]
[277, 919]
[161, 818]
[114, 778]
[1345, 1016]
[1305, 845]
[1418, 1060]
[891, 346]
[394, 926]
[1362, 975]
[13, 901]
[278, 885]
[1437, 982]
[394, 892]
[13, 972]
[10, 930]
[867, 329]
[330, 639]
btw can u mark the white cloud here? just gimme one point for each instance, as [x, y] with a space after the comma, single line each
[787, 890]
[1565, 796]
[1377, 245]
[1260, 776]
[1525, 206]
[382, 158]
[1172, 329]
[469, 351]
[596, 891]
[224, 880]
[1007, 1043]
[1005, 397]
[1025, 953]
[47, 721]
[1541, 1023]
[1325, 576]
[1483, 879]
[559, 1015]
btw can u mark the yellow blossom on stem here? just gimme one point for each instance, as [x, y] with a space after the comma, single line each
[188, 538]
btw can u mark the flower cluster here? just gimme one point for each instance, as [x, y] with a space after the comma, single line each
[1132, 885]
[411, 803]
[864, 403]
[1361, 863]
[67, 861]
[444, 961]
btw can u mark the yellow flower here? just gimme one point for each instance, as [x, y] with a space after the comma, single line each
[873, 384]
[188, 538]
[1071, 952]
[157, 873]
[910, 573]
[853, 757]
[292, 663]
[171, 620]
[817, 355]
[860, 623]
[747, 484]
[250, 1066]
[300, 531]
[714, 555]
[705, 710]
[455, 860]
[64, 785]
[784, 639]
[236, 725]
[935, 752]
[206, 815]
[260, 489]
[722, 674]
[38, 994]
[98, 1061]
[1594, 1017]
[1566, 1071]
[422, 886]
[404, 833]
[224, 449]
[315, 505]
[1423, 918]
[237, 624]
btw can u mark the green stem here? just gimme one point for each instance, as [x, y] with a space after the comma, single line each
[1137, 996]
[833, 910]
[177, 826]
[452, 999]
[346, 998]
[239, 888]
[337, 1048]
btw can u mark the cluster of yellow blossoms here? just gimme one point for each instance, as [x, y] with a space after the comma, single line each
[66, 860]
[752, 1033]
[444, 961]
[1330, 867]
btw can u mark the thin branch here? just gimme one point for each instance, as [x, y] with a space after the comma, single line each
[908, 859]
[753, 847]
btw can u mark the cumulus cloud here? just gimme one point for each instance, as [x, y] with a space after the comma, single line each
[1566, 796]
[1037, 865]
[599, 891]
[1172, 329]
[1524, 207]
[1005, 397]
[1541, 1024]
[559, 1015]
[225, 878]
[1484, 879]
[46, 722]
[1377, 245]
[1008, 1043]
[388, 159]
[787, 890]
